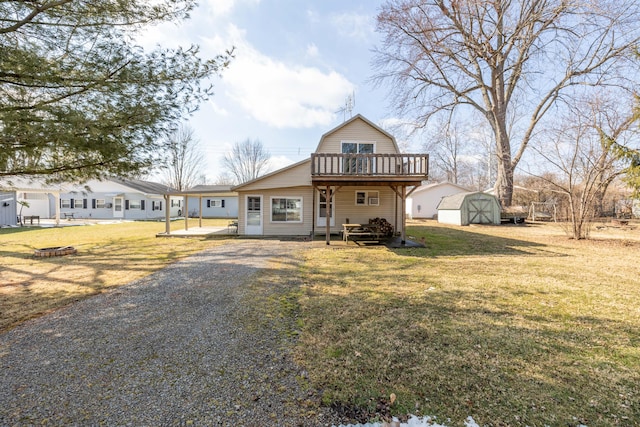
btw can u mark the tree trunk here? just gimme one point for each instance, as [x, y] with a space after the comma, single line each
[504, 181]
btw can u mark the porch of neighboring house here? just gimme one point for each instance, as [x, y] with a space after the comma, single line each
[403, 173]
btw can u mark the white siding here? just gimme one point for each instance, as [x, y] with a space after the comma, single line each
[450, 217]
[423, 203]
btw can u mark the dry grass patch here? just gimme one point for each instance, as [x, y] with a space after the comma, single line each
[510, 325]
[108, 256]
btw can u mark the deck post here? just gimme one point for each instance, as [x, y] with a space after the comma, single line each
[200, 209]
[167, 215]
[329, 199]
[403, 215]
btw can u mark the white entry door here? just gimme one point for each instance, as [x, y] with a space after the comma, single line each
[322, 209]
[254, 215]
[118, 211]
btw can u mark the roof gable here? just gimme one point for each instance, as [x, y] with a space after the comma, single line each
[356, 120]
[456, 201]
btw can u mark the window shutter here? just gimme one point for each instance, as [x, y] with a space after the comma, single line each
[84, 203]
[160, 205]
[72, 203]
[126, 205]
[141, 205]
[208, 203]
[223, 203]
[93, 203]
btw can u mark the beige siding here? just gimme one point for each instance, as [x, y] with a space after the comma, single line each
[299, 174]
[346, 208]
[357, 130]
[277, 228]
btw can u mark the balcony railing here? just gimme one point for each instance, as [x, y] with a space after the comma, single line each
[370, 165]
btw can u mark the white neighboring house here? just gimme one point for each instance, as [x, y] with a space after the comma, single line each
[111, 198]
[215, 201]
[423, 202]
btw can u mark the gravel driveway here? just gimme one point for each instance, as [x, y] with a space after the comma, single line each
[169, 349]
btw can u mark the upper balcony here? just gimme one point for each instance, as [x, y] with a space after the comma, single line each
[369, 169]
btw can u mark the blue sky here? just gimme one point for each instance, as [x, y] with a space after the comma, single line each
[296, 63]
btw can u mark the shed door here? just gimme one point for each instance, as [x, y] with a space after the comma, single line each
[480, 211]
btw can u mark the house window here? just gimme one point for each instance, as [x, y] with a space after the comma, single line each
[65, 203]
[100, 204]
[360, 165]
[215, 203]
[367, 198]
[78, 203]
[175, 203]
[286, 209]
[134, 204]
[156, 205]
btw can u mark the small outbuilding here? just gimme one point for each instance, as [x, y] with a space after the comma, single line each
[423, 201]
[469, 208]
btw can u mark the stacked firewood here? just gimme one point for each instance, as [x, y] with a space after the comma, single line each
[384, 227]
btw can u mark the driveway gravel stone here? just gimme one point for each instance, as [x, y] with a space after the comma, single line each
[169, 349]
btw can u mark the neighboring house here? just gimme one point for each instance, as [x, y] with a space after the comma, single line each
[423, 202]
[8, 209]
[214, 201]
[111, 198]
[469, 208]
[357, 173]
[635, 208]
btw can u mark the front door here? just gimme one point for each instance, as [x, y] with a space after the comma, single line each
[254, 215]
[118, 212]
[322, 209]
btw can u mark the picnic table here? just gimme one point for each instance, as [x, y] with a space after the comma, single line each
[30, 218]
[361, 233]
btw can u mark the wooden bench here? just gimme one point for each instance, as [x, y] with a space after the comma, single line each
[69, 215]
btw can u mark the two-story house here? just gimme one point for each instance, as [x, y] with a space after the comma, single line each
[357, 173]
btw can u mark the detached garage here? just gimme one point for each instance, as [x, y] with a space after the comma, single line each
[469, 208]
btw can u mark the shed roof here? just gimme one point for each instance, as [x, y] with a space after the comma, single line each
[456, 201]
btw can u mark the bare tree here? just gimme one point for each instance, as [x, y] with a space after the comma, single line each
[185, 161]
[585, 157]
[247, 160]
[510, 60]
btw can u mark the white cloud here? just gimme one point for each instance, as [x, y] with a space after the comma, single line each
[280, 94]
[312, 50]
[353, 25]
[217, 8]
[218, 109]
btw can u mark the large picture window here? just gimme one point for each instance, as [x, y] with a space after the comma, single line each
[286, 209]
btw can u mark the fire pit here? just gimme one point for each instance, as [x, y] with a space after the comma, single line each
[58, 251]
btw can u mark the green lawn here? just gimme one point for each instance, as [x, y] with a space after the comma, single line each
[513, 326]
[108, 255]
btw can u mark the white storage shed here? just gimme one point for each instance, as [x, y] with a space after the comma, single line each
[469, 208]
